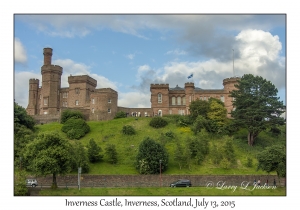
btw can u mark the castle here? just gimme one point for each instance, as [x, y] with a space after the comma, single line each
[48, 101]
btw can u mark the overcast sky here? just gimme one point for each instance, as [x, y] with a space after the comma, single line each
[129, 52]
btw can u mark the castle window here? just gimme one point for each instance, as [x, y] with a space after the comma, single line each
[204, 98]
[190, 98]
[222, 99]
[183, 100]
[173, 100]
[65, 95]
[109, 100]
[76, 102]
[93, 101]
[159, 98]
[77, 90]
[65, 104]
[45, 101]
[45, 112]
[178, 100]
[181, 112]
[108, 110]
[170, 111]
[93, 110]
[201, 98]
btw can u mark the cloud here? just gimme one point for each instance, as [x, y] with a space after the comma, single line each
[134, 99]
[258, 53]
[130, 56]
[176, 52]
[20, 52]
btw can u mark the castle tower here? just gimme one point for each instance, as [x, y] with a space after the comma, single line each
[228, 84]
[33, 97]
[51, 83]
[189, 93]
[159, 99]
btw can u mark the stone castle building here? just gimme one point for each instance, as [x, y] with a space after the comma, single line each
[165, 100]
[46, 102]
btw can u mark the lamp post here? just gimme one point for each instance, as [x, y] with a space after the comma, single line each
[160, 171]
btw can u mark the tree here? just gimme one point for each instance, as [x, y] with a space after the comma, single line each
[94, 151]
[80, 157]
[22, 118]
[47, 154]
[199, 107]
[217, 111]
[20, 188]
[149, 156]
[111, 153]
[257, 106]
[179, 155]
[273, 158]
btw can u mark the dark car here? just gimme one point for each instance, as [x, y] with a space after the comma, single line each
[181, 183]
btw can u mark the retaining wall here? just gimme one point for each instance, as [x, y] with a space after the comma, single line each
[155, 180]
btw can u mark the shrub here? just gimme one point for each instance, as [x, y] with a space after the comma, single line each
[158, 122]
[120, 114]
[149, 155]
[75, 128]
[128, 130]
[67, 114]
[94, 151]
[170, 134]
[111, 153]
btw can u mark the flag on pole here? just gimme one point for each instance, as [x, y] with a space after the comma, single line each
[189, 77]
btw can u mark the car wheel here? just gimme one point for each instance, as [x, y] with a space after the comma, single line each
[33, 185]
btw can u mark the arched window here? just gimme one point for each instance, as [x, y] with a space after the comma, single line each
[183, 100]
[178, 100]
[173, 100]
[159, 98]
[222, 99]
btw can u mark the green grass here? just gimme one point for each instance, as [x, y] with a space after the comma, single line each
[110, 132]
[163, 191]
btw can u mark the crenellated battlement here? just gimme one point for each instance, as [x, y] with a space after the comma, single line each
[230, 80]
[159, 86]
[82, 79]
[34, 81]
[189, 84]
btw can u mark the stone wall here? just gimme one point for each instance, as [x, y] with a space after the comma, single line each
[154, 180]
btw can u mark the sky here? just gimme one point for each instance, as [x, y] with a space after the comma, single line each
[131, 51]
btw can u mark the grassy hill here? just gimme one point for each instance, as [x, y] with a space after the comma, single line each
[104, 132]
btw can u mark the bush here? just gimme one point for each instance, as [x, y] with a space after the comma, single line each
[111, 153]
[128, 130]
[158, 122]
[170, 134]
[94, 151]
[75, 128]
[120, 114]
[149, 155]
[67, 114]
